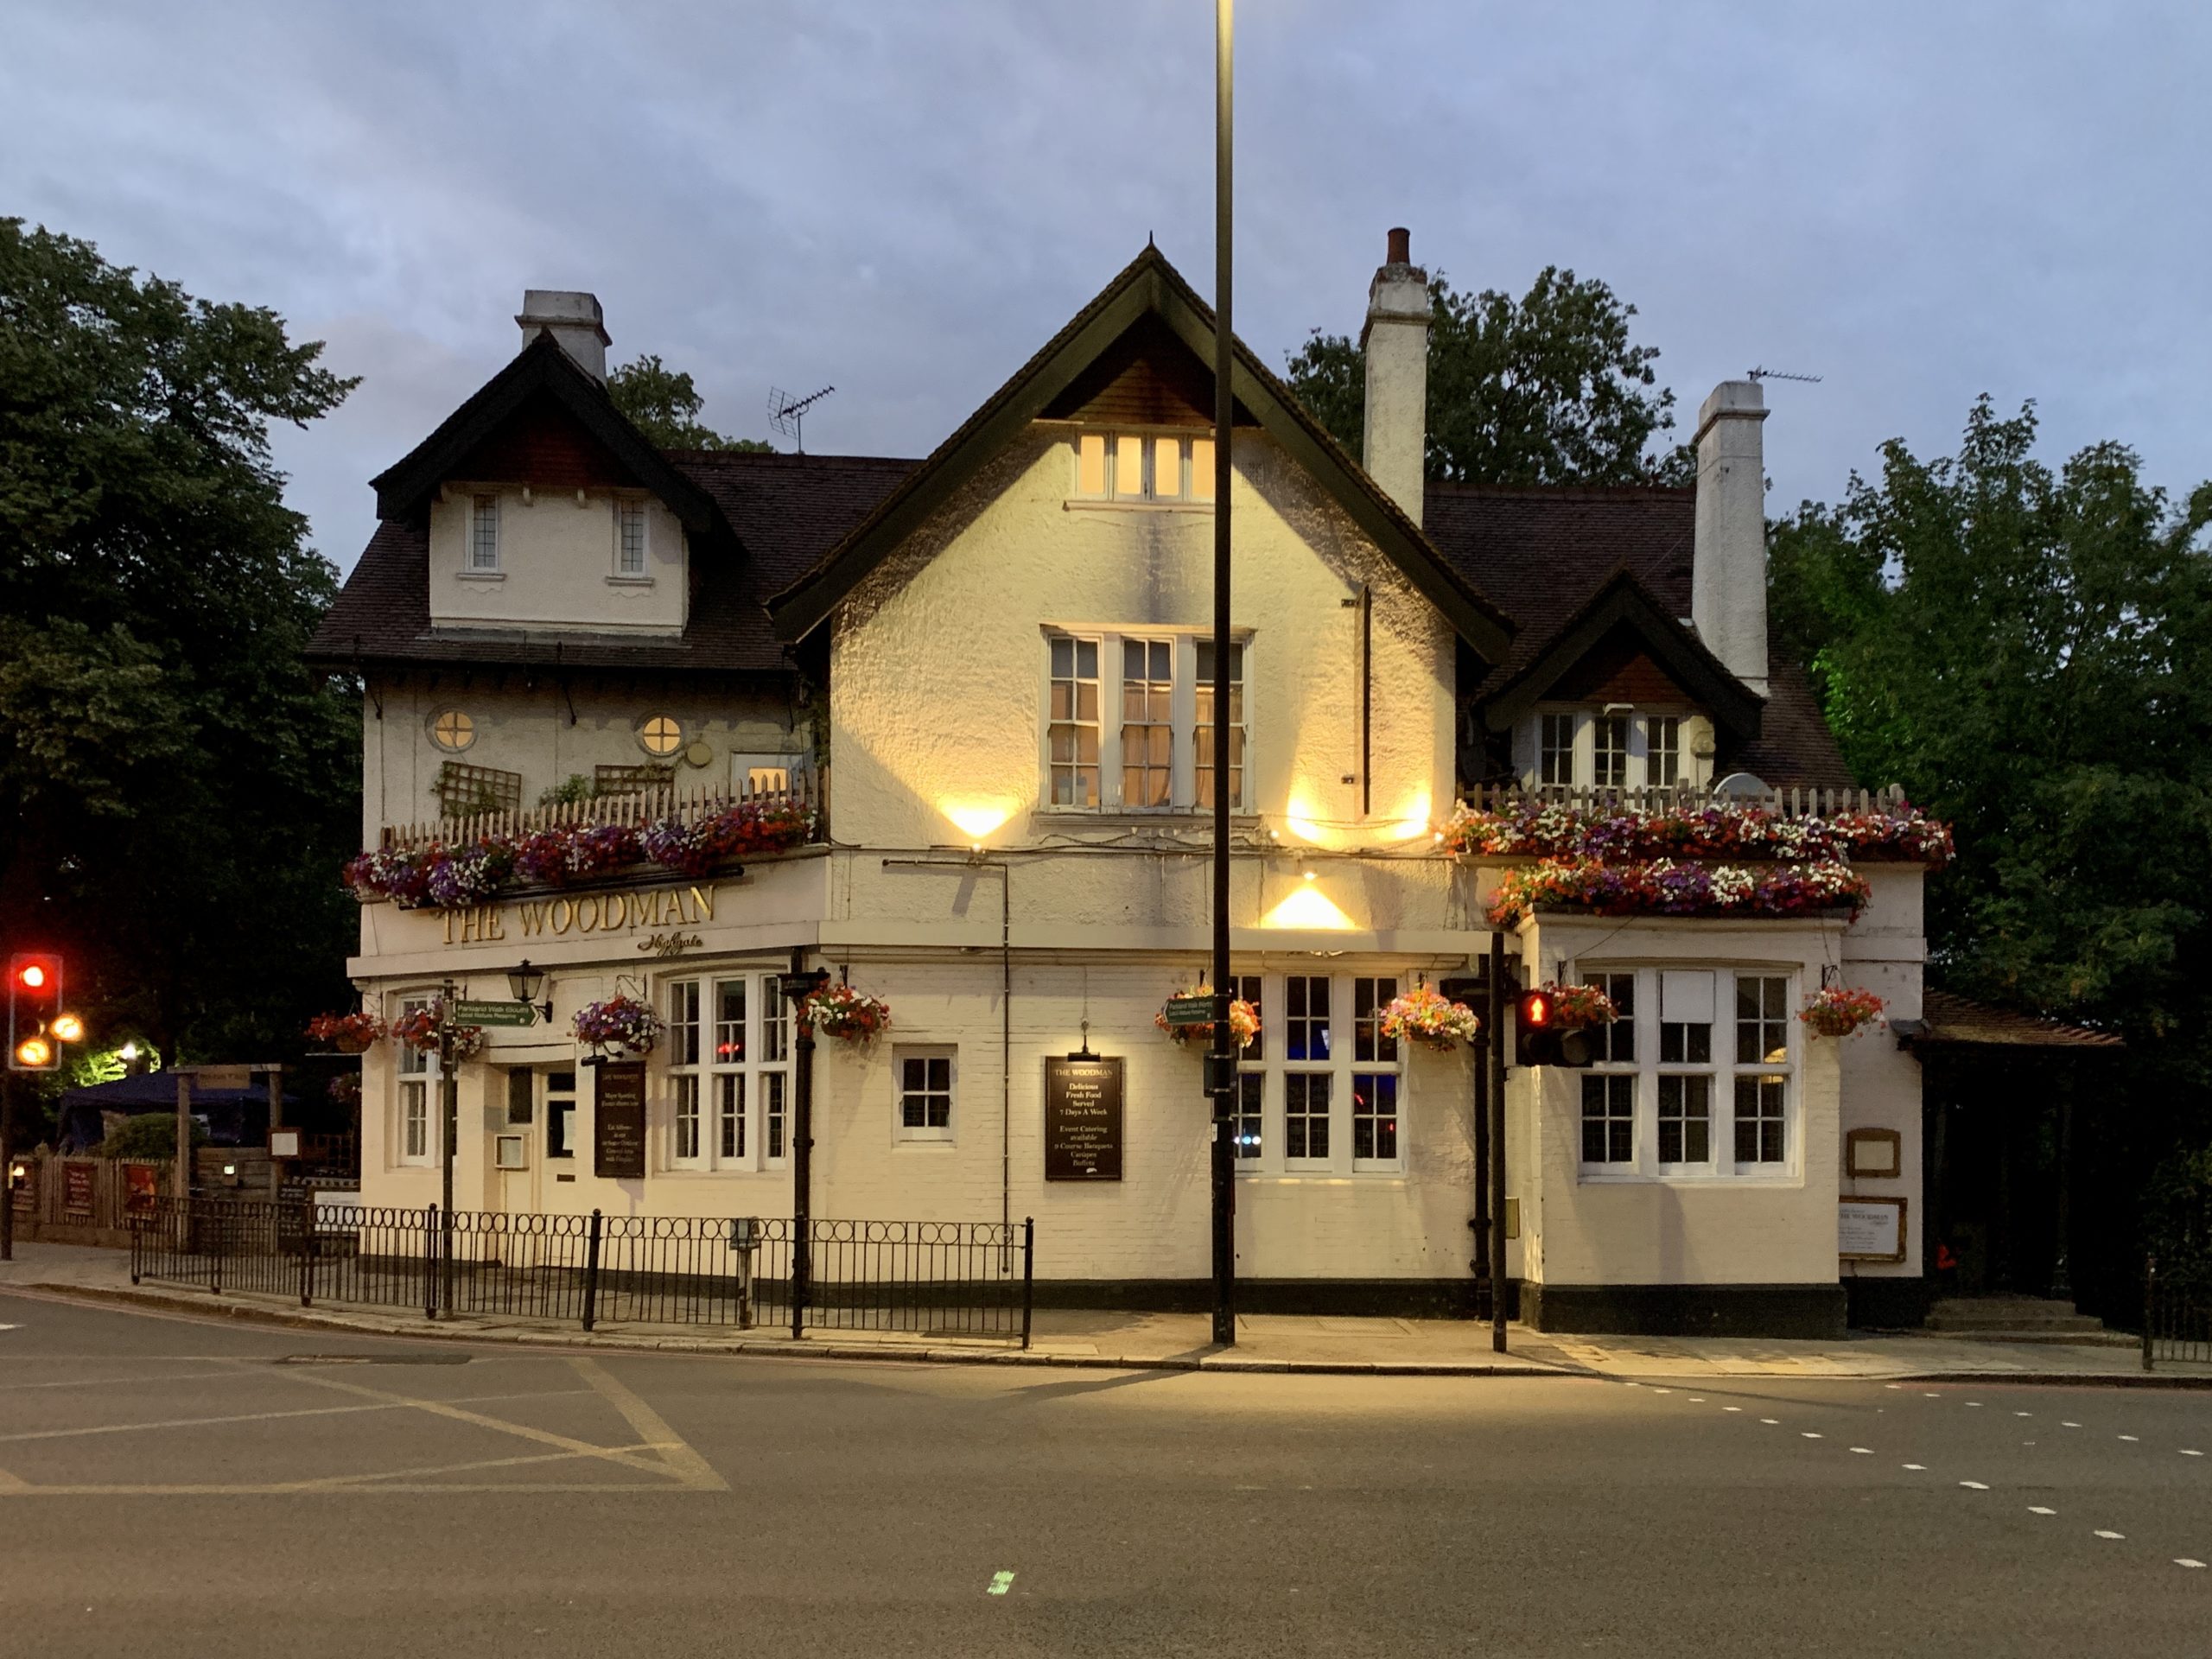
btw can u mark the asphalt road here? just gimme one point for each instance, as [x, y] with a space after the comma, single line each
[181, 1486]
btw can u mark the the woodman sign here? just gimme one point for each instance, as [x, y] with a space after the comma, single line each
[1083, 1120]
[574, 914]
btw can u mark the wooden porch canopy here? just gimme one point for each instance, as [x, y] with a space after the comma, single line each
[1952, 1022]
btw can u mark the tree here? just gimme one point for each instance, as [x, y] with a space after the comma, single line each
[177, 789]
[2029, 652]
[664, 406]
[1546, 389]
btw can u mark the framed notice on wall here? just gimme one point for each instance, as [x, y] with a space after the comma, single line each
[1083, 1120]
[1869, 1230]
[618, 1120]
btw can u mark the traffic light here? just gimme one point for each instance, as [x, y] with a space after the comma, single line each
[37, 1025]
[1540, 1039]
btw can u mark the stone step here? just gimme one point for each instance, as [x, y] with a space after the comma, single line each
[2010, 1313]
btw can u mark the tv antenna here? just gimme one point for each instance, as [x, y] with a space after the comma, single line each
[787, 414]
[1778, 374]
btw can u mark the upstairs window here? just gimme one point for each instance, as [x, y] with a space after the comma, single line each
[1157, 755]
[1609, 751]
[1143, 467]
[1663, 760]
[629, 538]
[484, 534]
[1616, 747]
[1555, 749]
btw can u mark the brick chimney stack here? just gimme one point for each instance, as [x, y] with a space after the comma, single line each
[1395, 343]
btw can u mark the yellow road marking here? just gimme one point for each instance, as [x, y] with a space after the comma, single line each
[681, 1461]
[442, 1408]
[268, 1416]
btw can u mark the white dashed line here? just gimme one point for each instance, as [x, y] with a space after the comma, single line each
[1662, 1390]
[2024, 1413]
[1973, 1402]
[2186, 1453]
[1731, 1408]
[1771, 1422]
[1973, 1486]
[2130, 1436]
[1695, 1401]
[2187, 1561]
[1912, 1465]
[1931, 1395]
[1864, 1451]
[2101, 1532]
[2037, 1508]
[1807, 1435]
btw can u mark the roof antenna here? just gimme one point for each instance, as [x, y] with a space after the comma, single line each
[787, 414]
[1778, 374]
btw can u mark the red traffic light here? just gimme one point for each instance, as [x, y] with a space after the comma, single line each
[34, 1016]
[31, 975]
[1535, 1010]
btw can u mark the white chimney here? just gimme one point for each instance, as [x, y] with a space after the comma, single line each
[1394, 342]
[1728, 571]
[576, 322]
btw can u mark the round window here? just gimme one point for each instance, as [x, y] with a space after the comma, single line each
[660, 735]
[453, 731]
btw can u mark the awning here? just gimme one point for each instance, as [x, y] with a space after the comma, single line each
[1951, 1021]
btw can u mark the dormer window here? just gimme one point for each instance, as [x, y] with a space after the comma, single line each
[1609, 751]
[484, 534]
[629, 537]
[1615, 746]
[1141, 467]
[1662, 761]
[1555, 754]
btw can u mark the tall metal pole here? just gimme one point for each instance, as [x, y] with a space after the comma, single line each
[449, 1104]
[7, 1166]
[795, 987]
[1495, 1019]
[1221, 1082]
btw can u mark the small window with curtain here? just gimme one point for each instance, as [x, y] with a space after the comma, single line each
[1147, 722]
[1071, 734]
[1202, 727]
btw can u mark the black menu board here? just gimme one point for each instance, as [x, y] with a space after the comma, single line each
[1083, 1120]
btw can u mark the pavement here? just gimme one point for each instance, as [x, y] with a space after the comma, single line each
[1123, 1340]
[184, 1486]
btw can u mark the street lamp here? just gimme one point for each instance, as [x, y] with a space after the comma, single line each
[1221, 1064]
[524, 983]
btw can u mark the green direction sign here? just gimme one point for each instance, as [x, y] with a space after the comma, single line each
[1189, 1010]
[494, 1013]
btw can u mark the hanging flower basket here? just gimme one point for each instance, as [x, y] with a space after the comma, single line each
[1838, 1010]
[349, 1033]
[1431, 1019]
[621, 1022]
[1243, 1022]
[1578, 1007]
[418, 1029]
[842, 1012]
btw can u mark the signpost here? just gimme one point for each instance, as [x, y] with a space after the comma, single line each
[1189, 1010]
[508, 1014]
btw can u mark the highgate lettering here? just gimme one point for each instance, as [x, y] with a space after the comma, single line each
[585, 912]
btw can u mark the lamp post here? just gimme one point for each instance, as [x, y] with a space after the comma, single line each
[449, 1104]
[1221, 1063]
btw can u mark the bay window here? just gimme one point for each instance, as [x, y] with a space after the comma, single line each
[1651, 1101]
[414, 1138]
[729, 1045]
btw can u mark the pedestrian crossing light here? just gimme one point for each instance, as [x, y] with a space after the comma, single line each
[1540, 1039]
[37, 1024]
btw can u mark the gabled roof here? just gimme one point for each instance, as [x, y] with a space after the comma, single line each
[1623, 602]
[542, 368]
[1149, 286]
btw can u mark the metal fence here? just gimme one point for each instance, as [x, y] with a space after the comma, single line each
[967, 1278]
[2177, 1317]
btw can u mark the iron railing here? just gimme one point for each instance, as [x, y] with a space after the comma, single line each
[964, 1279]
[2177, 1317]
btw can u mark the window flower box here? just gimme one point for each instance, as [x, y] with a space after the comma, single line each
[1535, 828]
[1663, 887]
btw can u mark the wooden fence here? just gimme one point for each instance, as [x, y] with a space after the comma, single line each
[67, 1200]
[1683, 797]
[633, 810]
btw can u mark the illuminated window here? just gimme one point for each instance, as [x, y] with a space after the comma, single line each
[1309, 1102]
[1141, 467]
[453, 731]
[1157, 754]
[483, 533]
[1202, 727]
[728, 1045]
[660, 735]
[630, 551]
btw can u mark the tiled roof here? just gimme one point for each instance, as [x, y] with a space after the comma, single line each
[1949, 1018]
[1541, 553]
[786, 511]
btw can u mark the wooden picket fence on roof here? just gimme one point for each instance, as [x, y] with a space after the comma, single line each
[1684, 798]
[635, 809]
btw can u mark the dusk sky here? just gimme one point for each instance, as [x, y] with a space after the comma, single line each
[1919, 203]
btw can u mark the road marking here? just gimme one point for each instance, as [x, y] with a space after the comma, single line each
[2101, 1532]
[1771, 1422]
[1001, 1583]
[116, 1381]
[2024, 1413]
[1731, 1408]
[1973, 1486]
[1912, 1465]
[2037, 1508]
[628, 1455]
[1695, 1401]
[1973, 1402]
[2069, 1425]
[1864, 1451]
[2186, 1453]
[1807, 1435]
[685, 1463]
[2187, 1561]
[267, 1416]
[1662, 1390]
[10, 1327]
[1931, 1395]
[2130, 1436]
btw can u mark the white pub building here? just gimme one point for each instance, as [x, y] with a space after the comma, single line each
[953, 717]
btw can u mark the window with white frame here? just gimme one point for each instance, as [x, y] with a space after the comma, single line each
[1555, 748]
[1662, 750]
[924, 1081]
[1141, 467]
[1609, 751]
[418, 1073]
[483, 533]
[1321, 1090]
[629, 537]
[560, 1115]
[1157, 754]
[1652, 1100]
[729, 1046]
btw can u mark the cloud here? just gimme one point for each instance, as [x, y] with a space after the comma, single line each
[904, 201]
